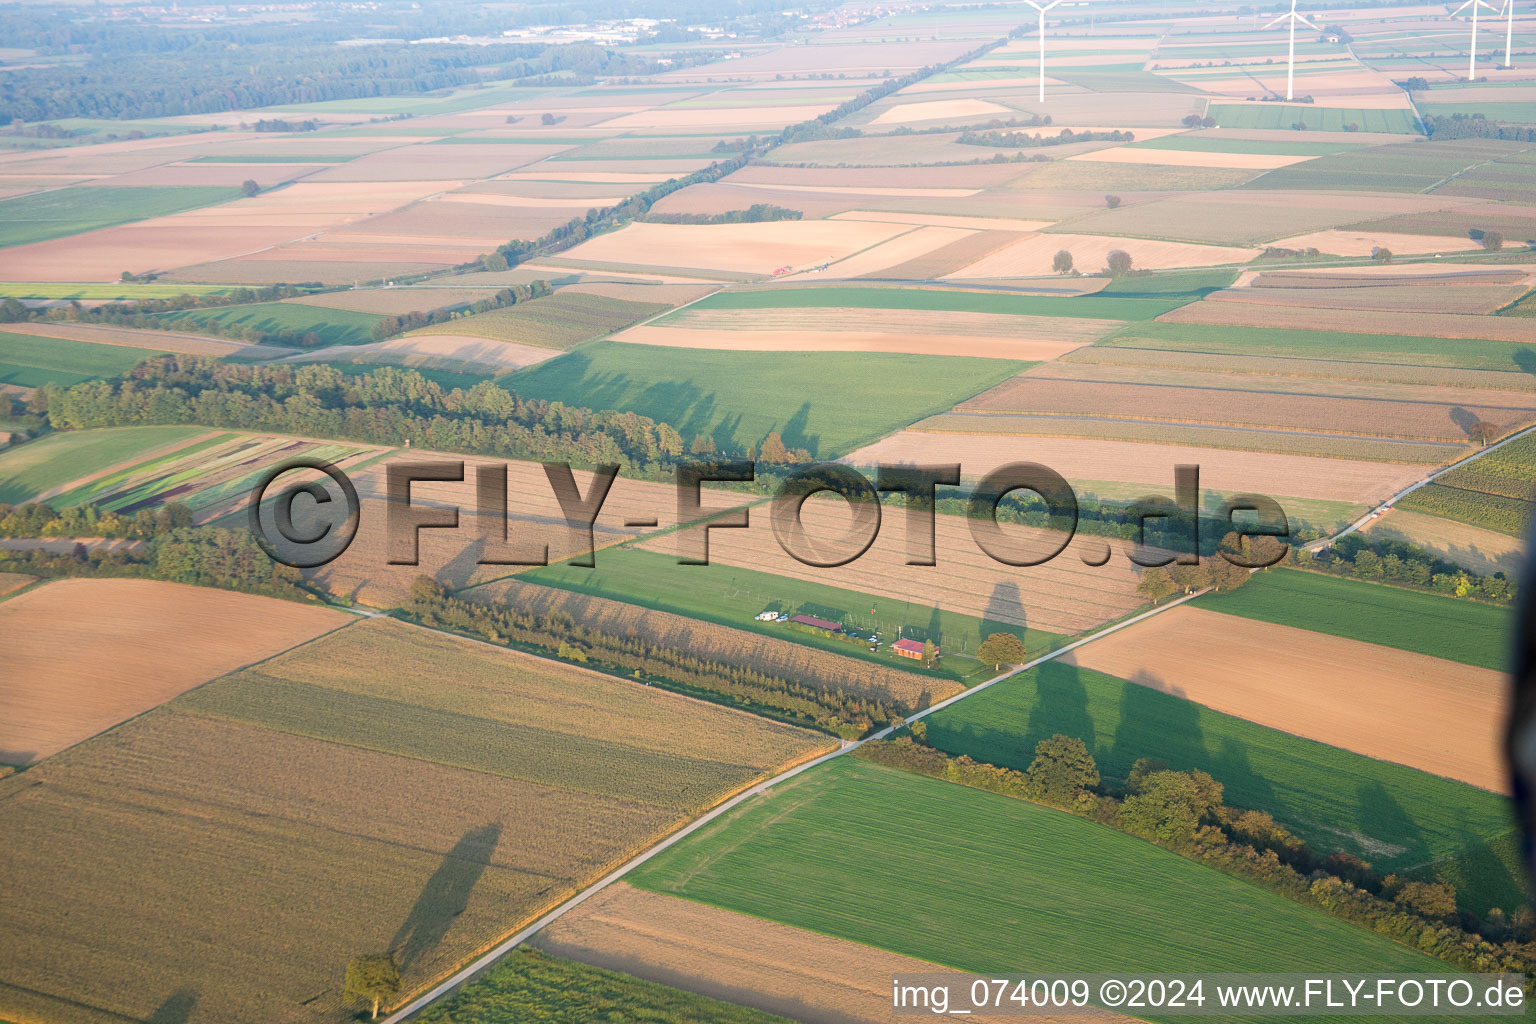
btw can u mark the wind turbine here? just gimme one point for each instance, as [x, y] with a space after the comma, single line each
[1290, 67]
[1041, 10]
[1509, 33]
[1472, 57]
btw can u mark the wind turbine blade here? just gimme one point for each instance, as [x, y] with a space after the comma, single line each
[1463, 7]
[1303, 19]
[1277, 21]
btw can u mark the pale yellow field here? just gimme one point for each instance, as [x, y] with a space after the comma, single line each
[847, 341]
[757, 248]
[1080, 459]
[863, 190]
[82, 655]
[915, 243]
[1346, 242]
[1439, 716]
[730, 118]
[576, 205]
[816, 979]
[1190, 158]
[1062, 595]
[933, 110]
[441, 351]
[1032, 256]
[941, 220]
[1482, 551]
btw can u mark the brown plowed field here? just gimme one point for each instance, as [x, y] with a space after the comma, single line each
[83, 655]
[1439, 716]
[774, 967]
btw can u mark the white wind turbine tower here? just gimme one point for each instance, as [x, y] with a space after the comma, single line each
[1472, 56]
[1509, 33]
[1290, 67]
[1041, 10]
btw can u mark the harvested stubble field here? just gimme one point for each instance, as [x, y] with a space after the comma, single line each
[1081, 459]
[916, 244]
[1395, 298]
[1297, 367]
[742, 959]
[752, 248]
[1389, 814]
[1440, 325]
[866, 853]
[1191, 158]
[947, 259]
[437, 351]
[534, 521]
[1083, 176]
[193, 815]
[1062, 596]
[1033, 256]
[718, 643]
[1475, 548]
[1242, 218]
[559, 321]
[83, 655]
[1435, 715]
[1258, 402]
[1359, 244]
[1517, 222]
[10, 582]
[819, 401]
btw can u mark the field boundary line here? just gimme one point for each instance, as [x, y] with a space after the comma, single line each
[469, 971]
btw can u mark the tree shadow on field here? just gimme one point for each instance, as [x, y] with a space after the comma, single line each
[1061, 706]
[446, 895]
[1005, 612]
[1525, 358]
[1386, 828]
[175, 1010]
[795, 432]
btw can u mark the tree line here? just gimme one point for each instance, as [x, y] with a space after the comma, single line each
[1406, 565]
[38, 519]
[390, 326]
[813, 701]
[1184, 811]
[1024, 140]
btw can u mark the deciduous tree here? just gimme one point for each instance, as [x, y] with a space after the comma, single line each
[1063, 768]
[1000, 649]
[372, 979]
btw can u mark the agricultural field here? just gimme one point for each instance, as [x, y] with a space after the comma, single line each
[1441, 717]
[29, 361]
[733, 595]
[1328, 341]
[40, 466]
[218, 822]
[1476, 548]
[1328, 119]
[854, 850]
[747, 960]
[529, 985]
[1492, 491]
[1440, 627]
[1390, 814]
[559, 321]
[83, 655]
[840, 400]
[329, 326]
[49, 215]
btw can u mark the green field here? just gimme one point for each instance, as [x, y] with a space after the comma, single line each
[69, 211]
[29, 361]
[1107, 305]
[562, 320]
[1268, 147]
[1510, 113]
[334, 326]
[1402, 350]
[1325, 795]
[731, 596]
[981, 882]
[528, 986]
[1402, 167]
[1442, 627]
[56, 459]
[1327, 119]
[825, 402]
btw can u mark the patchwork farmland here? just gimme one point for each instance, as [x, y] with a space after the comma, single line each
[412, 782]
